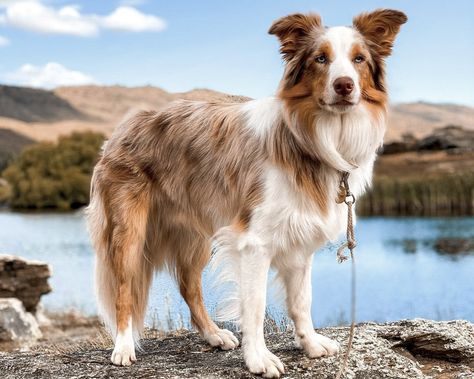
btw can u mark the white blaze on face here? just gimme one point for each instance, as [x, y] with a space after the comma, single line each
[341, 39]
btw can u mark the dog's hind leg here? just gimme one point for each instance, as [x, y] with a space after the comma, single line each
[123, 272]
[190, 263]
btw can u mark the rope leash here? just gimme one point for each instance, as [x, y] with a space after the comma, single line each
[346, 196]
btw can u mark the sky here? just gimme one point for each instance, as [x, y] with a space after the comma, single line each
[180, 45]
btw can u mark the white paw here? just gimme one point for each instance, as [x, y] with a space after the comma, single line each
[222, 338]
[263, 362]
[123, 355]
[316, 345]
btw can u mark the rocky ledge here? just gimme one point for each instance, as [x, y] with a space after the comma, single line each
[404, 349]
[24, 280]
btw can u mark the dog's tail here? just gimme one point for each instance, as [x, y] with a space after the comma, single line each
[105, 281]
[136, 267]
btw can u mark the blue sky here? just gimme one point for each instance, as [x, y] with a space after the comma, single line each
[223, 45]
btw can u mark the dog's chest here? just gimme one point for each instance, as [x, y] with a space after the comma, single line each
[289, 220]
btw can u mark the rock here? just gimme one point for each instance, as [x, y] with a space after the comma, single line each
[450, 137]
[453, 139]
[24, 280]
[17, 325]
[405, 349]
[454, 245]
[408, 143]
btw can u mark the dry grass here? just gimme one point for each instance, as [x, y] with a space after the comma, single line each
[421, 184]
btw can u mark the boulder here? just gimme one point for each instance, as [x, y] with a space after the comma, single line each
[23, 279]
[451, 138]
[452, 245]
[17, 325]
[406, 144]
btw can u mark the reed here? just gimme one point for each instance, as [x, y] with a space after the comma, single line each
[443, 195]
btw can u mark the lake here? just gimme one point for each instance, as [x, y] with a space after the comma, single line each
[400, 272]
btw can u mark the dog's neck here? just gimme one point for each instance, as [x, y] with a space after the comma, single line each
[340, 141]
[313, 154]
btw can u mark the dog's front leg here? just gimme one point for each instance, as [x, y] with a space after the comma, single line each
[296, 274]
[255, 263]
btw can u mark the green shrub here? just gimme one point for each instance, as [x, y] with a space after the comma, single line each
[54, 176]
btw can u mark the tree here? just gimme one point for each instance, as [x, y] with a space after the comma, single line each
[54, 176]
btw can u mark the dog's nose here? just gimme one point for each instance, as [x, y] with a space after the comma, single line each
[343, 86]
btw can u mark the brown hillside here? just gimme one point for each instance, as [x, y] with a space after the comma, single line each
[422, 118]
[44, 115]
[35, 105]
[11, 144]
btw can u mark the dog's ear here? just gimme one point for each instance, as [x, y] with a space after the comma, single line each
[380, 28]
[292, 29]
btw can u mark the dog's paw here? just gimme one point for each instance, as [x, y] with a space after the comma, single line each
[316, 345]
[222, 338]
[123, 355]
[265, 363]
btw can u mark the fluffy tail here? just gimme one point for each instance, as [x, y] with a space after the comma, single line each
[135, 267]
[105, 279]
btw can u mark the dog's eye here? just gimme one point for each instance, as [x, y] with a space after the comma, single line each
[321, 59]
[359, 59]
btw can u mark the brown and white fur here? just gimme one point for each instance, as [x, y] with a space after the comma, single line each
[258, 179]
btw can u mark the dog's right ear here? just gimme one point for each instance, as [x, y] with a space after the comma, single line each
[292, 29]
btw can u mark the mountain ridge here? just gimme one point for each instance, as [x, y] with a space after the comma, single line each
[45, 114]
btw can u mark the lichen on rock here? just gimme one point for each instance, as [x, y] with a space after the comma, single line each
[399, 350]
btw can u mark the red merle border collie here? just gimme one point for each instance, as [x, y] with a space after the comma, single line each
[257, 179]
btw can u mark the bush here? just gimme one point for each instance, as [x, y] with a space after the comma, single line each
[54, 176]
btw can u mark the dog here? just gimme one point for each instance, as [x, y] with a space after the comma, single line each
[253, 180]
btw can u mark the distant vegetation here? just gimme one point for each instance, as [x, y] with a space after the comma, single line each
[433, 176]
[444, 195]
[54, 176]
[438, 182]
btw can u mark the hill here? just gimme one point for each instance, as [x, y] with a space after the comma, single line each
[11, 143]
[35, 105]
[44, 115]
[420, 119]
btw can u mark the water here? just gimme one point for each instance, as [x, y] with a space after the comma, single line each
[399, 273]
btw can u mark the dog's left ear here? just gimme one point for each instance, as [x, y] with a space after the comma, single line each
[380, 28]
[291, 31]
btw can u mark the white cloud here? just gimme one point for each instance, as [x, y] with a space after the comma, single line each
[35, 16]
[50, 75]
[130, 19]
[4, 41]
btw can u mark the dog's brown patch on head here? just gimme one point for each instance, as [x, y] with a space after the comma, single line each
[299, 36]
[371, 77]
[296, 33]
[378, 30]
[291, 29]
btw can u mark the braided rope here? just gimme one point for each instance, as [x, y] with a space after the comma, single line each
[346, 196]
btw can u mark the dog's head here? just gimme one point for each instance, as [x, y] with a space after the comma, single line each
[335, 69]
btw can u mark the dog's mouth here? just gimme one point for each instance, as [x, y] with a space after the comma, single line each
[342, 103]
[338, 106]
